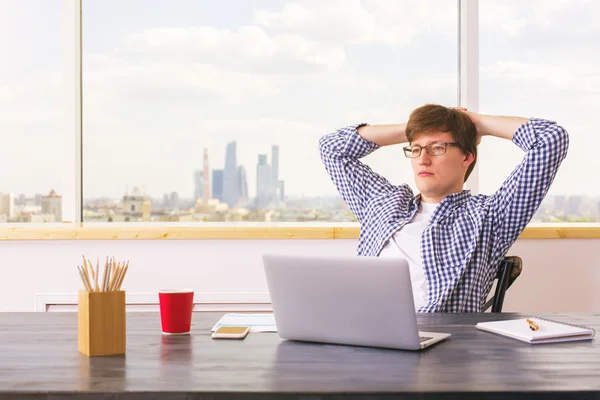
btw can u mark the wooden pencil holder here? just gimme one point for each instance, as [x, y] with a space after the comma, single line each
[101, 323]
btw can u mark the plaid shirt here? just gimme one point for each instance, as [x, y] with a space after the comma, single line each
[467, 236]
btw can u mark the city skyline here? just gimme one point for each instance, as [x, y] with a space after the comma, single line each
[230, 182]
[173, 207]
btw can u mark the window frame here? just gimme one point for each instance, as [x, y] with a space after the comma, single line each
[73, 227]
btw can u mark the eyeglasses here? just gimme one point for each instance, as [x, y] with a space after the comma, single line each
[433, 149]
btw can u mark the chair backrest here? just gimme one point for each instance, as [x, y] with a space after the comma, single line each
[509, 270]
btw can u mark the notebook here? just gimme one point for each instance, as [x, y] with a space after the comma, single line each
[549, 331]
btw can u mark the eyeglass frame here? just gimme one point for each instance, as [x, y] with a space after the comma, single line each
[446, 144]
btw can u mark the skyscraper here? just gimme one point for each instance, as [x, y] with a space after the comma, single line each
[198, 184]
[275, 163]
[264, 176]
[217, 184]
[206, 178]
[277, 189]
[242, 183]
[262, 160]
[174, 200]
[281, 191]
[230, 184]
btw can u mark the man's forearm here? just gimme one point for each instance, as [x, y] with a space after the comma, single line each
[384, 135]
[499, 126]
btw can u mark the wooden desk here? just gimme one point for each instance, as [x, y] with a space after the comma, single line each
[39, 359]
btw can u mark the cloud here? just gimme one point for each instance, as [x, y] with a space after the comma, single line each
[250, 64]
[227, 66]
[355, 22]
[568, 75]
[515, 16]
[171, 79]
[29, 104]
[248, 48]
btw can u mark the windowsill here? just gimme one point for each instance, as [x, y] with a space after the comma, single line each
[143, 231]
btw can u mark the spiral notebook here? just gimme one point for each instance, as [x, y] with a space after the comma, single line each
[549, 331]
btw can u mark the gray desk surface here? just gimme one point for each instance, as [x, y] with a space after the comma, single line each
[39, 359]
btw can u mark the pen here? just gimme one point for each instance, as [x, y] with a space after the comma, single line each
[532, 325]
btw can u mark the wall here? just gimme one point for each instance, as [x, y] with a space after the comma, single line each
[559, 275]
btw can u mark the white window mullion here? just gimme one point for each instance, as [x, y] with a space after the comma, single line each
[468, 48]
[71, 57]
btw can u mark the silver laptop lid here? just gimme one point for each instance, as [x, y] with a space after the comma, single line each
[346, 300]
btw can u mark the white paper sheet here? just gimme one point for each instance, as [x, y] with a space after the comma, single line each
[256, 322]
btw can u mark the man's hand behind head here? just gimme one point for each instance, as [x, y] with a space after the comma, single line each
[476, 119]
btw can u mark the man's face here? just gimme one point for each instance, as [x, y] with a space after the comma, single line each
[437, 176]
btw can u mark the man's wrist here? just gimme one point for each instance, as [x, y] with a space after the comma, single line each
[482, 125]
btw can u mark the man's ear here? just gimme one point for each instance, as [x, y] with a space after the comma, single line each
[469, 158]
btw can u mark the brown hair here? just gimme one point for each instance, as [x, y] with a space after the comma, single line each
[435, 118]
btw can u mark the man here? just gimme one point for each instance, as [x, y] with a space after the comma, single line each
[453, 241]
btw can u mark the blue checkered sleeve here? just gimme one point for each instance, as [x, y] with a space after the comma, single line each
[517, 200]
[355, 181]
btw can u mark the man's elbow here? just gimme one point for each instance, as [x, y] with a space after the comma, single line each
[325, 147]
[561, 138]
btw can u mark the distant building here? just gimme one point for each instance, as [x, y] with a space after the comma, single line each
[264, 177]
[37, 218]
[230, 184]
[133, 203]
[174, 201]
[573, 205]
[276, 184]
[7, 205]
[205, 178]
[275, 163]
[52, 204]
[198, 184]
[146, 210]
[217, 184]
[560, 203]
[281, 191]
[242, 183]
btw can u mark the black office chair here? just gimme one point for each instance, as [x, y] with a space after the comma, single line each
[509, 270]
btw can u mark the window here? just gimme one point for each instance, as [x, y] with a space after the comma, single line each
[541, 59]
[195, 113]
[33, 146]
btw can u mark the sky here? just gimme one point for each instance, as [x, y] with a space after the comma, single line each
[164, 80]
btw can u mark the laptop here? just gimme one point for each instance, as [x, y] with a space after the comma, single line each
[349, 300]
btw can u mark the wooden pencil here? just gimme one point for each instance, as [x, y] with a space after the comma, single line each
[123, 276]
[84, 278]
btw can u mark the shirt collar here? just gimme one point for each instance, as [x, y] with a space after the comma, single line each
[454, 199]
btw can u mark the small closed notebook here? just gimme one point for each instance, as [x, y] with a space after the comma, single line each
[548, 331]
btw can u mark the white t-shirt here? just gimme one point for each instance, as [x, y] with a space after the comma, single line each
[406, 243]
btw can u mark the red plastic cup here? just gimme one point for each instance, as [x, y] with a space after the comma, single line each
[176, 307]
